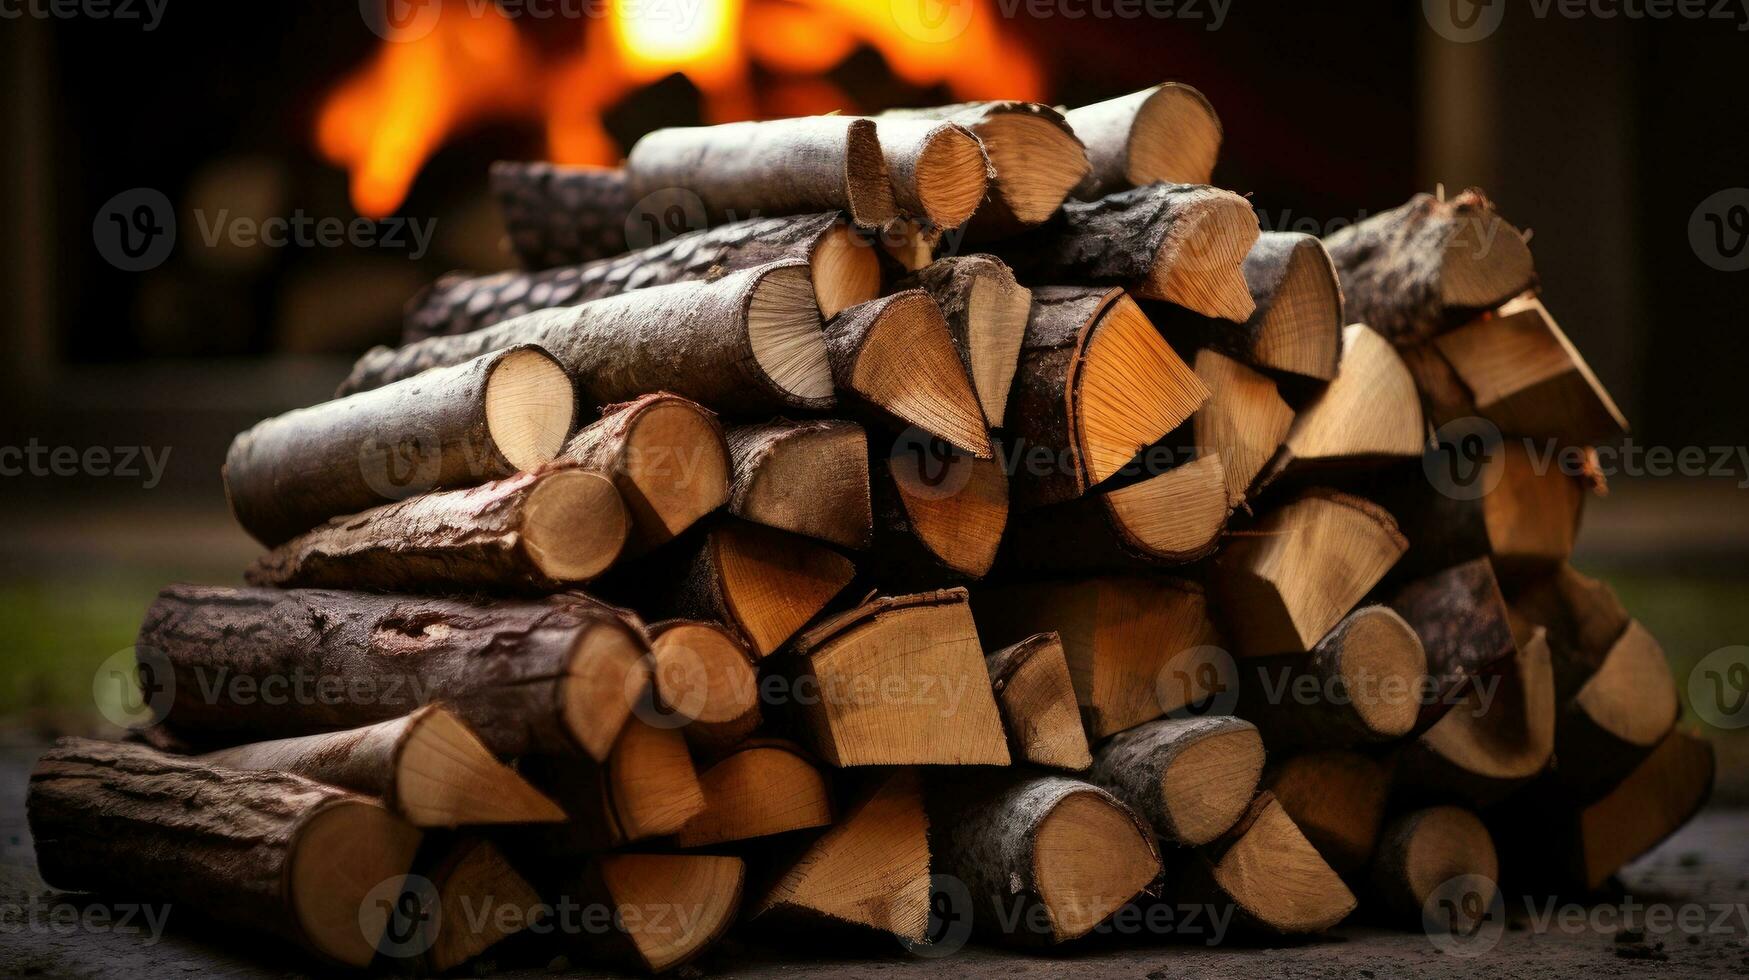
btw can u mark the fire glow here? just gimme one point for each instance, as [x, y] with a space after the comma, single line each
[466, 62]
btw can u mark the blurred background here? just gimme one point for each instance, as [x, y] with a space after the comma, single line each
[1609, 138]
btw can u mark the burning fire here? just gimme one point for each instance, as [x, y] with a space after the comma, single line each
[464, 61]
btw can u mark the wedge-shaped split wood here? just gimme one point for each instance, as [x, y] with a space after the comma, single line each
[532, 532]
[748, 342]
[1266, 871]
[1464, 626]
[870, 869]
[1297, 326]
[938, 169]
[1137, 647]
[1285, 582]
[762, 787]
[1337, 798]
[667, 908]
[1618, 717]
[1172, 518]
[1663, 792]
[1190, 778]
[1368, 414]
[1034, 157]
[481, 418]
[1584, 620]
[1361, 684]
[1096, 384]
[986, 313]
[552, 675]
[560, 215]
[427, 767]
[668, 458]
[842, 267]
[1165, 133]
[1418, 270]
[896, 355]
[901, 681]
[646, 788]
[704, 673]
[764, 583]
[939, 513]
[1044, 858]
[1532, 515]
[470, 876]
[804, 477]
[1037, 701]
[1181, 243]
[1243, 422]
[1422, 850]
[264, 851]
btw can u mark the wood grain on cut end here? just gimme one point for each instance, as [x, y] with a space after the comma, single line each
[958, 517]
[905, 364]
[1037, 163]
[1200, 264]
[844, 269]
[808, 478]
[952, 174]
[773, 582]
[1243, 422]
[606, 678]
[1423, 849]
[1176, 516]
[670, 907]
[1037, 700]
[1337, 798]
[445, 777]
[1131, 390]
[1297, 326]
[1090, 858]
[340, 854]
[1532, 514]
[766, 788]
[1176, 138]
[1369, 412]
[651, 782]
[704, 673]
[530, 406]
[475, 875]
[1277, 878]
[1191, 778]
[783, 328]
[995, 325]
[574, 525]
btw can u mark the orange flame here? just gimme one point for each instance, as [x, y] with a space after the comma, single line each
[467, 63]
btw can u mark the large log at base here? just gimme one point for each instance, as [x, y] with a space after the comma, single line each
[1037, 701]
[1096, 384]
[842, 266]
[647, 787]
[1337, 798]
[1181, 243]
[1137, 647]
[556, 674]
[895, 355]
[667, 908]
[704, 674]
[749, 342]
[1268, 874]
[1173, 518]
[556, 215]
[667, 456]
[263, 851]
[481, 418]
[427, 767]
[938, 169]
[1165, 133]
[899, 681]
[482, 900]
[869, 870]
[763, 787]
[532, 532]
[986, 312]
[1243, 422]
[1368, 414]
[807, 478]
[1288, 580]
[1421, 851]
[1045, 858]
[1464, 626]
[1420, 269]
[1360, 684]
[1190, 778]
[940, 515]
[783, 166]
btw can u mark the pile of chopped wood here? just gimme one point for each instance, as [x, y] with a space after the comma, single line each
[785, 571]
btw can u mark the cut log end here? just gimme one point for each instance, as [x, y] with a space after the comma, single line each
[672, 470]
[952, 175]
[1090, 858]
[530, 405]
[1380, 660]
[574, 525]
[1424, 849]
[704, 673]
[1037, 699]
[1337, 798]
[1659, 796]
[652, 784]
[1273, 874]
[844, 269]
[1208, 785]
[766, 788]
[996, 313]
[341, 854]
[670, 907]
[783, 328]
[1177, 516]
[1037, 163]
[1243, 422]
[1298, 325]
[1370, 412]
[958, 519]
[474, 876]
[906, 364]
[1131, 390]
[773, 582]
[1175, 138]
[445, 777]
[1200, 265]
[607, 677]
[1485, 266]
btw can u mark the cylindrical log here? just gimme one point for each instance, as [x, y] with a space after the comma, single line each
[1168, 132]
[1190, 777]
[667, 457]
[1361, 684]
[805, 477]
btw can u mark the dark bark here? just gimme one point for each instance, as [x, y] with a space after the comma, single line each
[1460, 616]
[558, 215]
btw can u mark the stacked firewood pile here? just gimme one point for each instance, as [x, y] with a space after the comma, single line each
[979, 518]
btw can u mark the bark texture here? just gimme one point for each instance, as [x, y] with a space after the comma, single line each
[1133, 764]
[1042, 406]
[1460, 616]
[842, 511]
[951, 283]
[558, 215]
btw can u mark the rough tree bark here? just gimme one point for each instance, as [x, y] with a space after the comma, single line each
[562, 215]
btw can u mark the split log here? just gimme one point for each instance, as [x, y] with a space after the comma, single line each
[803, 477]
[895, 355]
[1418, 270]
[668, 458]
[704, 674]
[1173, 518]
[1532, 515]
[938, 169]
[986, 313]
[1096, 384]
[481, 901]
[427, 767]
[841, 265]
[556, 215]
[1137, 647]
[647, 787]
[1035, 159]
[482, 418]
[1462, 621]
[263, 851]
[1292, 577]
[1622, 712]
[783, 166]
[870, 869]
[1165, 133]
[1266, 871]
[749, 342]
[1297, 326]
[532, 532]
[1181, 243]
[1422, 850]
[1243, 423]
[900, 681]
[1369, 414]
[1362, 683]
[1037, 701]
[763, 583]
[939, 514]
[1584, 620]
[666, 908]
[1191, 778]
[554, 675]
[1337, 798]
[763, 787]
[1044, 858]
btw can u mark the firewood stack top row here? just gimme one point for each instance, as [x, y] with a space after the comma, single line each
[977, 493]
